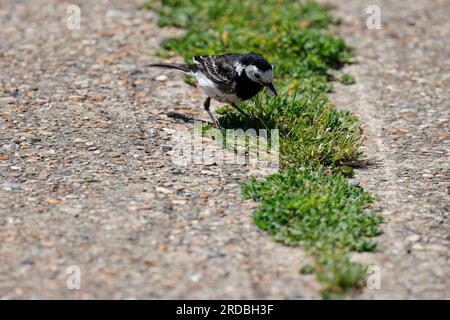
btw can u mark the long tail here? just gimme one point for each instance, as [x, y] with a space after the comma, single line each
[177, 66]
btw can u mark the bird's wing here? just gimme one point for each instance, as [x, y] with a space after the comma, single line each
[218, 68]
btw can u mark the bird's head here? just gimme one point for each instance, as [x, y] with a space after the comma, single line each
[258, 70]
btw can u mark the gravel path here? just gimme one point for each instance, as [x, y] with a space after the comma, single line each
[402, 97]
[86, 175]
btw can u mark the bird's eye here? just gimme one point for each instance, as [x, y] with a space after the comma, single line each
[258, 76]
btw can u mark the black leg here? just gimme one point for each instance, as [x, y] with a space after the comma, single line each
[213, 118]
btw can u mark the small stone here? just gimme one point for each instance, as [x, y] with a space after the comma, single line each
[219, 210]
[98, 98]
[7, 147]
[209, 173]
[437, 247]
[190, 215]
[163, 190]
[12, 186]
[34, 140]
[78, 140]
[54, 201]
[166, 148]
[161, 78]
[131, 238]
[75, 98]
[413, 238]
[179, 201]
[7, 100]
[196, 277]
[145, 206]
[27, 262]
[209, 162]
[15, 93]
[111, 13]
[204, 214]
[439, 219]
[151, 262]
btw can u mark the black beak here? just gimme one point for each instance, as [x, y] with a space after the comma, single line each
[272, 89]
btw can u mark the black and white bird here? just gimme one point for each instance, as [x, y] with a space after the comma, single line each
[228, 78]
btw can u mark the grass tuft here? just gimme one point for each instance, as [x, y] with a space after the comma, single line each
[320, 211]
[313, 132]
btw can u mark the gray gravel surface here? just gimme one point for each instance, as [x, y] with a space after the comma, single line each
[402, 97]
[87, 178]
[86, 175]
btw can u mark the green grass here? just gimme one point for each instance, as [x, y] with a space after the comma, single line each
[323, 213]
[310, 202]
[293, 36]
[313, 132]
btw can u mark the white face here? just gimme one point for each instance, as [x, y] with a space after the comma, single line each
[263, 77]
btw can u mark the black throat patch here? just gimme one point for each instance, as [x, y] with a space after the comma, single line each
[246, 88]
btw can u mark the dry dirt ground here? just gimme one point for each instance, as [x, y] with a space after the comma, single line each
[87, 178]
[402, 97]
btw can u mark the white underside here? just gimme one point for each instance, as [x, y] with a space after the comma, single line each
[212, 91]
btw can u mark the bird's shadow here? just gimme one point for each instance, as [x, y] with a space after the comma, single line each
[182, 117]
[231, 119]
[228, 119]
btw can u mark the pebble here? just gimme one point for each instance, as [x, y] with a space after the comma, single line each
[196, 277]
[7, 100]
[413, 238]
[79, 140]
[12, 186]
[163, 190]
[111, 13]
[209, 173]
[161, 78]
[27, 262]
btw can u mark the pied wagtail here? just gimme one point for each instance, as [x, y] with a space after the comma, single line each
[228, 78]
